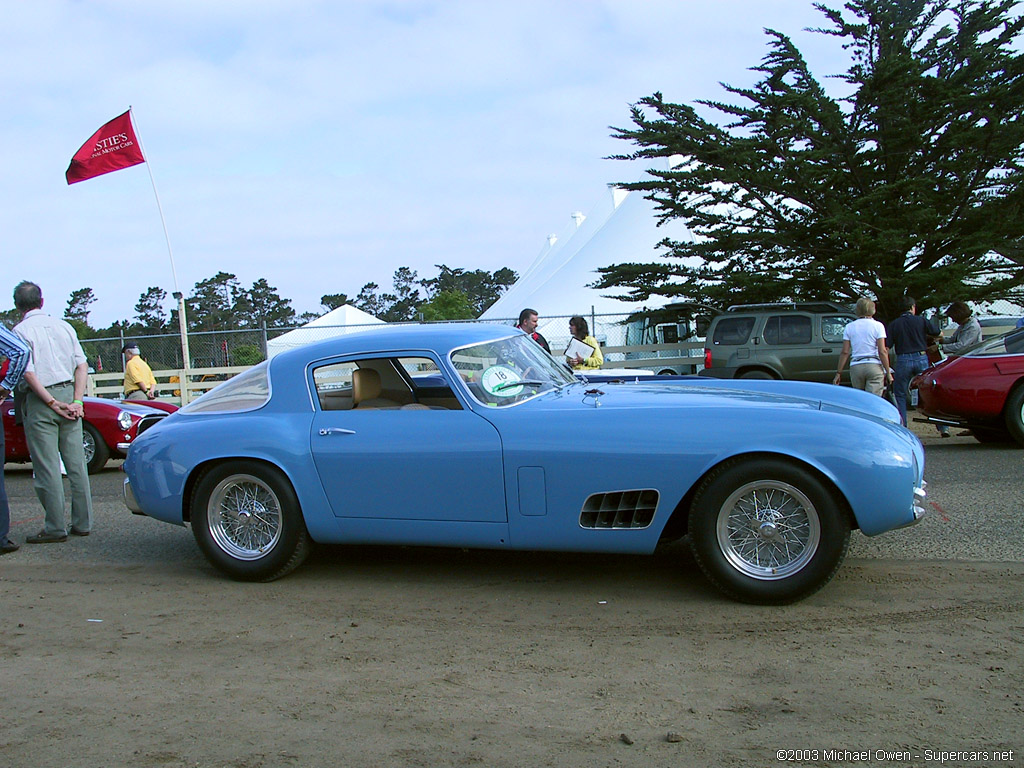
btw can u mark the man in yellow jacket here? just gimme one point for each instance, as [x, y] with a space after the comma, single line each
[139, 382]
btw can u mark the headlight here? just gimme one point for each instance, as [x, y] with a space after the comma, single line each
[124, 420]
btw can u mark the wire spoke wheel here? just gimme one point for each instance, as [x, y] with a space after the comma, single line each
[244, 516]
[768, 529]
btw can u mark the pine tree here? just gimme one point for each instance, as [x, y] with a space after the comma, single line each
[912, 183]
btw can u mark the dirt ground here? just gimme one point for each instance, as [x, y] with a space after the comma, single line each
[127, 649]
[403, 657]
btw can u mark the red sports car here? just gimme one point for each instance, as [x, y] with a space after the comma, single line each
[981, 390]
[110, 427]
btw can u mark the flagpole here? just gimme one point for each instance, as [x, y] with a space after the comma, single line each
[182, 320]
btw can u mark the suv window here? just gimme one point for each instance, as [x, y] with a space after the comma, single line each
[832, 327]
[733, 330]
[787, 329]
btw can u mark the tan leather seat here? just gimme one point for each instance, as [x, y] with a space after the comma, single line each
[366, 390]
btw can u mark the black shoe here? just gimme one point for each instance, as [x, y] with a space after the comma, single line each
[46, 538]
[75, 532]
[8, 546]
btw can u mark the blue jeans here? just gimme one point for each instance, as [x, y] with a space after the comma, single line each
[907, 367]
[5, 510]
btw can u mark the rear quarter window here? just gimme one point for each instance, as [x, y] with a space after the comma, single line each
[733, 330]
[832, 327]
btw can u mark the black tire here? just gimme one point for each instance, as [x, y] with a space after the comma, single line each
[755, 375]
[96, 451]
[246, 520]
[797, 545]
[1014, 414]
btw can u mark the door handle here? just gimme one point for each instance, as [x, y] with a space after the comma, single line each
[335, 431]
[826, 351]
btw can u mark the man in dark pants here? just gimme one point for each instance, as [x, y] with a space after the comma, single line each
[16, 352]
[908, 335]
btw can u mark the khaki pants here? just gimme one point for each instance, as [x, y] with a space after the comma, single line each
[52, 438]
[868, 376]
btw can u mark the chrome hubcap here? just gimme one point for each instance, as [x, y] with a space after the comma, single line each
[768, 529]
[245, 518]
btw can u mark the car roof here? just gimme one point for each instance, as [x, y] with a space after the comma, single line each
[792, 306]
[440, 337]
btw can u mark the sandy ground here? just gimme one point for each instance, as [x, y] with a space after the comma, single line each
[431, 657]
[113, 656]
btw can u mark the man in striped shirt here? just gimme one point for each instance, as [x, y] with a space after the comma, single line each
[16, 352]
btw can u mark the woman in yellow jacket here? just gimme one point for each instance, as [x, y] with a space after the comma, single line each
[581, 332]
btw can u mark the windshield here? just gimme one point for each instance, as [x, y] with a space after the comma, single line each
[509, 371]
[1011, 343]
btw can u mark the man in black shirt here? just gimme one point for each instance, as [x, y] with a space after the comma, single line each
[908, 335]
[528, 325]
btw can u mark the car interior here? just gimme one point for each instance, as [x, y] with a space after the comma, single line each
[383, 383]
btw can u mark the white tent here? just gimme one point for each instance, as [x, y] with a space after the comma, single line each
[342, 320]
[623, 229]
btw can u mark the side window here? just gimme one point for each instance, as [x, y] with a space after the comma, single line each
[787, 329]
[408, 383]
[334, 385]
[832, 327]
[733, 330]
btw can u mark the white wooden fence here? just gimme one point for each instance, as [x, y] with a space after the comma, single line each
[169, 383]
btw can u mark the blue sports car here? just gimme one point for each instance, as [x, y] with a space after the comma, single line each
[469, 435]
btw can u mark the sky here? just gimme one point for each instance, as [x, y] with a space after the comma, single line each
[323, 145]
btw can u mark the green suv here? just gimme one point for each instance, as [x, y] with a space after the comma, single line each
[799, 341]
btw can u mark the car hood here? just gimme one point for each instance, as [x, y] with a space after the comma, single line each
[139, 409]
[751, 392]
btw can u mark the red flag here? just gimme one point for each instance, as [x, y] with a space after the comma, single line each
[111, 148]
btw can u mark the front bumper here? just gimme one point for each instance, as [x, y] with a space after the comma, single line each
[129, 498]
[918, 507]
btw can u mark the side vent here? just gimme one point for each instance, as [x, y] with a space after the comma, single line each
[619, 509]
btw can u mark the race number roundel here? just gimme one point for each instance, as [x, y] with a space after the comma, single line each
[499, 380]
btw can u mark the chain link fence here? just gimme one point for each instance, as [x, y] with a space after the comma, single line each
[658, 338]
[212, 349]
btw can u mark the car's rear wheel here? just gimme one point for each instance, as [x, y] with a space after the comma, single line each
[767, 531]
[247, 521]
[1014, 414]
[96, 451]
[756, 375]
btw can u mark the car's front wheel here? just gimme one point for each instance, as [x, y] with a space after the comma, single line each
[96, 451]
[767, 531]
[246, 520]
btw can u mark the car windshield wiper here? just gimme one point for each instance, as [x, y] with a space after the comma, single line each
[521, 382]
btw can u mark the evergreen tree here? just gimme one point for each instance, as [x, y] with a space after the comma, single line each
[481, 288]
[911, 184]
[372, 301]
[332, 301]
[211, 307]
[448, 305]
[78, 306]
[149, 311]
[261, 305]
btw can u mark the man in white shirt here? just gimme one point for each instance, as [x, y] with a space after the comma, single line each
[53, 410]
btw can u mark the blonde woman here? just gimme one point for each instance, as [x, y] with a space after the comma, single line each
[864, 347]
